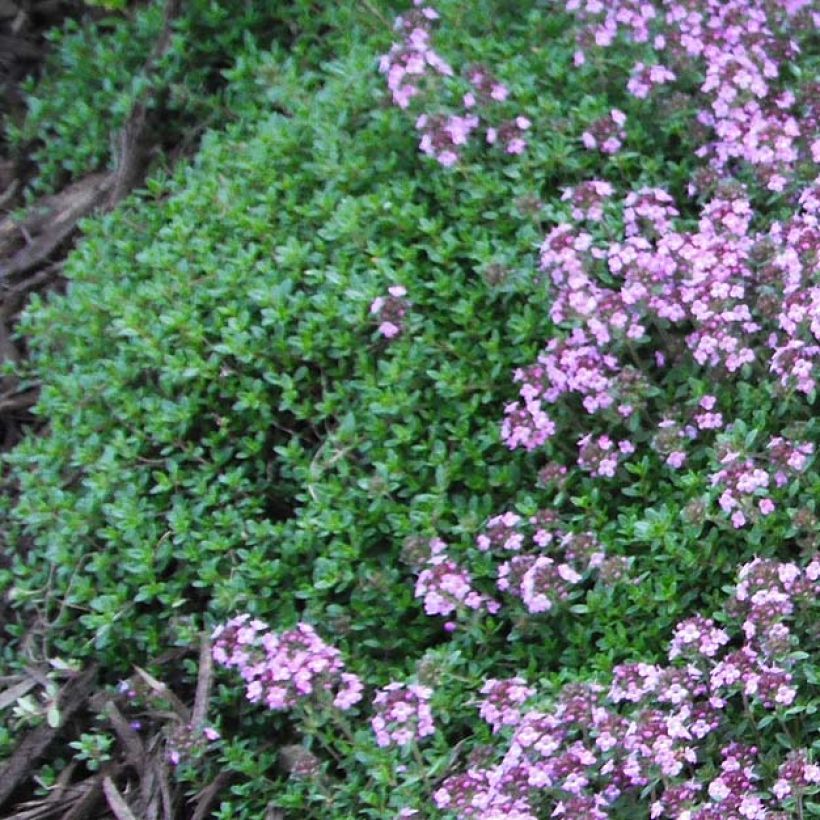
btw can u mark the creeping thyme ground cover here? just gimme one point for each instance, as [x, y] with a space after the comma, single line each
[463, 390]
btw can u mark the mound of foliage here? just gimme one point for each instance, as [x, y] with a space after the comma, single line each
[98, 69]
[466, 400]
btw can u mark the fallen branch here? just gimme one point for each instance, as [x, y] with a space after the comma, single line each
[128, 737]
[180, 709]
[82, 808]
[132, 144]
[206, 798]
[203, 684]
[116, 801]
[14, 298]
[62, 213]
[20, 765]
[18, 401]
[14, 693]
[63, 793]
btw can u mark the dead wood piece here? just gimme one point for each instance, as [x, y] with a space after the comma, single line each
[205, 799]
[180, 709]
[150, 797]
[8, 350]
[203, 684]
[161, 773]
[9, 192]
[8, 10]
[62, 794]
[18, 48]
[155, 789]
[133, 147]
[128, 737]
[14, 298]
[71, 205]
[21, 21]
[14, 693]
[84, 804]
[39, 675]
[116, 801]
[20, 765]
[48, 8]
[15, 402]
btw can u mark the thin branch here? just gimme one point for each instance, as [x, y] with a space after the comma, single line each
[116, 801]
[203, 684]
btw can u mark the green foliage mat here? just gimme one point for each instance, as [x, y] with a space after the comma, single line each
[227, 432]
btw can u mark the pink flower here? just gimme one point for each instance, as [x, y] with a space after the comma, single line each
[499, 92]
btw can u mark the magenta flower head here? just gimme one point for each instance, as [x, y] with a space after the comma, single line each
[281, 669]
[502, 701]
[402, 714]
[390, 311]
[447, 588]
[606, 134]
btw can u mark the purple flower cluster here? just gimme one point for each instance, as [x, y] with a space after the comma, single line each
[587, 199]
[280, 670]
[446, 587]
[706, 280]
[545, 578]
[408, 62]
[596, 746]
[645, 77]
[697, 636]
[501, 533]
[607, 134]
[796, 775]
[402, 714]
[791, 288]
[744, 483]
[600, 456]
[570, 366]
[443, 136]
[510, 135]
[502, 701]
[740, 46]
[411, 67]
[390, 311]
[649, 211]
[549, 566]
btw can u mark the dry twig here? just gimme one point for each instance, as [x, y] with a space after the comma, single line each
[19, 766]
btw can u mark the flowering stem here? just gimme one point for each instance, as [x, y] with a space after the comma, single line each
[748, 711]
[633, 354]
[376, 13]
[665, 337]
[343, 727]
[313, 730]
[422, 766]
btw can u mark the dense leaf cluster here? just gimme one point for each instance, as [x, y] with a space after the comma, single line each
[227, 430]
